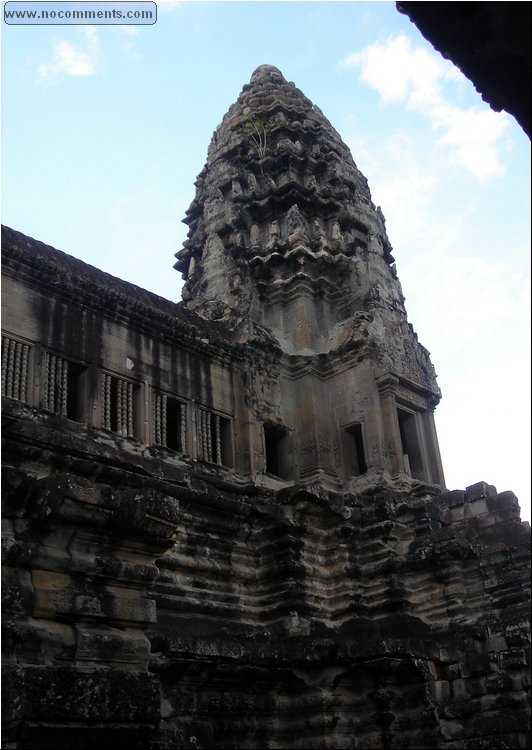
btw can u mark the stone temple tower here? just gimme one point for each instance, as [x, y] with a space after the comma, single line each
[283, 234]
[224, 521]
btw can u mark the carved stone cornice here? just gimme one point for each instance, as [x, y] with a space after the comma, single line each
[407, 391]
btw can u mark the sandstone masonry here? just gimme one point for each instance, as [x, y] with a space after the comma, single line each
[225, 520]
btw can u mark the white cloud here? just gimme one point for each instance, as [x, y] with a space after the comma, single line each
[473, 136]
[400, 72]
[402, 185]
[78, 60]
[468, 297]
[479, 306]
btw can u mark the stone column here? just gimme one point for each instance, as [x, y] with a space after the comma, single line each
[391, 438]
[434, 463]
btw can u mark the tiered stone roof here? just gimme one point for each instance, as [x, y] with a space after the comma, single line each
[282, 214]
[279, 186]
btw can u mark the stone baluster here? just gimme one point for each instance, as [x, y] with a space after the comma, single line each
[5, 356]
[182, 427]
[106, 401]
[200, 434]
[119, 405]
[129, 411]
[24, 372]
[51, 383]
[218, 440]
[203, 436]
[58, 384]
[46, 378]
[16, 370]
[164, 413]
[64, 387]
[10, 367]
[157, 419]
[208, 435]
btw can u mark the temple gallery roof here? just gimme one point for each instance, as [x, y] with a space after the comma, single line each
[72, 279]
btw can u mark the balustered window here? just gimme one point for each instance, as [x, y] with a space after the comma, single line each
[118, 401]
[169, 422]
[62, 386]
[15, 361]
[214, 438]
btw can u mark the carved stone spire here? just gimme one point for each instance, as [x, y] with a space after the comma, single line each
[283, 230]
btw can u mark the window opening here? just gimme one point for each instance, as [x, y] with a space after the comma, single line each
[169, 423]
[62, 387]
[412, 457]
[118, 405]
[15, 360]
[214, 438]
[275, 446]
[357, 456]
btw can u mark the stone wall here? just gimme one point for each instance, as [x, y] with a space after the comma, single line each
[147, 605]
[217, 389]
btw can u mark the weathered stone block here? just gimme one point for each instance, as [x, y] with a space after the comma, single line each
[460, 708]
[452, 498]
[475, 664]
[457, 513]
[59, 595]
[60, 694]
[496, 643]
[480, 490]
[517, 636]
[514, 659]
[452, 729]
[148, 513]
[506, 741]
[189, 735]
[15, 484]
[470, 687]
[499, 682]
[442, 690]
[498, 722]
[17, 591]
[71, 498]
[31, 641]
[451, 671]
[123, 649]
[504, 500]
[476, 507]
[16, 552]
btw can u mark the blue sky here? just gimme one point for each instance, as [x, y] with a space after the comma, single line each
[105, 129]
